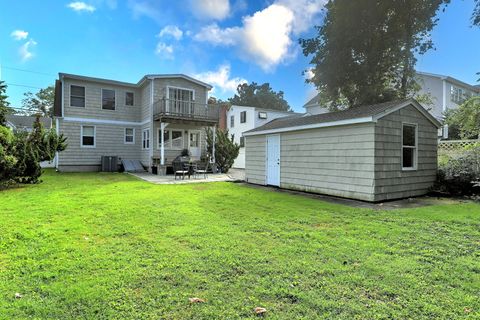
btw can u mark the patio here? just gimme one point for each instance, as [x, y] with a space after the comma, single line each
[232, 175]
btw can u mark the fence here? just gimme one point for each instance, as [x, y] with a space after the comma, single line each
[455, 145]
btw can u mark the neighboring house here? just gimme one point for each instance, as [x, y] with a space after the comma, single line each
[446, 93]
[25, 123]
[372, 153]
[243, 118]
[103, 117]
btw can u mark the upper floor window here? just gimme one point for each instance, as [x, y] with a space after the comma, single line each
[129, 98]
[243, 116]
[77, 96]
[88, 136]
[262, 115]
[129, 136]
[459, 95]
[232, 121]
[409, 146]
[108, 99]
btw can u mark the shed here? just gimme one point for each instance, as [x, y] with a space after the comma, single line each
[373, 153]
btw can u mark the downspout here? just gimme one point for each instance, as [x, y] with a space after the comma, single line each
[57, 120]
[152, 133]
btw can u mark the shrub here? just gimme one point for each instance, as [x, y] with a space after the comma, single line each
[460, 175]
[226, 151]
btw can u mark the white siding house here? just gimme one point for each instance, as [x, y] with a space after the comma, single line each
[243, 118]
[371, 153]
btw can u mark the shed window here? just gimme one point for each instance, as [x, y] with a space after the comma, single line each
[77, 96]
[243, 116]
[88, 136]
[409, 146]
[129, 135]
[108, 99]
[129, 98]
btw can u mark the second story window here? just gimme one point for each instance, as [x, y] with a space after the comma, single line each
[129, 99]
[459, 95]
[243, 116]
[77, 96]
[108, 99]
[232, 121]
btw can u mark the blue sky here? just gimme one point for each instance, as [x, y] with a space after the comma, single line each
[219, 41]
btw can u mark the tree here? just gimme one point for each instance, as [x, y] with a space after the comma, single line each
[476, 14]
[40, 102]
[259, 96]
[4, 104]
[466, 118]
[226, 151]
[365, 50]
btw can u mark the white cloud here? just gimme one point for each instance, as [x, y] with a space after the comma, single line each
[81, 6]
[308, 74]
[164, 51]
[217, 36]
[145, 8]
[172, 31]
[210, 9]
[19, 34]
[25, 50]
[266, 36]
[220, 80]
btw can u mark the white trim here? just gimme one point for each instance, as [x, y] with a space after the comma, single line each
[114, 97]
[94, 136]
[125, 136]
[63, 94]
[415, 148]
[149, 139]
[312, 126]
[100, 121]
[444, 95]
[279, 157]
[152, 127]
[181, 88]
[57, 130]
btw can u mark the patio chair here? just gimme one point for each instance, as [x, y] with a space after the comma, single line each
[179, 169]
[202, 168]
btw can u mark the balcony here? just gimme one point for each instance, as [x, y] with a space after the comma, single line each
[168, 110]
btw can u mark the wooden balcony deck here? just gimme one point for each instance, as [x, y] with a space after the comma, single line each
[168, 110]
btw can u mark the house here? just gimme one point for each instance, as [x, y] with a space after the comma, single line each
[372, 153]
[25, 123]
[445, 92]
[240, 119]
[151, 121]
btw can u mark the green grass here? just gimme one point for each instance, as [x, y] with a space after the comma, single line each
[103, 246]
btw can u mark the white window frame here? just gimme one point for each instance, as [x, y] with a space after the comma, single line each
[169, 144]
[415, 148]
[133, 96]
[125, 136]
[94, 136]
[115, 97]
[232, 121]
[181, 88]
[84, 96]
[245, 113]
[146, 138]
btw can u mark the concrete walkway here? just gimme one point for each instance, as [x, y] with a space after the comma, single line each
[233, 175]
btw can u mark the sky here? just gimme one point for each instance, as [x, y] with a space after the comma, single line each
[222, 42]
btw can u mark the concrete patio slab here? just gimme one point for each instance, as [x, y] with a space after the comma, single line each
[170, 179]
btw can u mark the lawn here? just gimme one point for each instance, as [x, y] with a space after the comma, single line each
[111, 246]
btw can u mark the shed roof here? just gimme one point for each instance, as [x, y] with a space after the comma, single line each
[361, 114]
[21, 122]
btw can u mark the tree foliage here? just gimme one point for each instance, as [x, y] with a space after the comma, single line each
[465, 118]
[365, 50]
[226, 150]
[40, 102]
[4, 104]
[259, 96]
[476, 14]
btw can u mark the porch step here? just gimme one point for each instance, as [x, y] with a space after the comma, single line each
[132, 165]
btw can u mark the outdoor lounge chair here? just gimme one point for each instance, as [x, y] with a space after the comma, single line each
[179, 169]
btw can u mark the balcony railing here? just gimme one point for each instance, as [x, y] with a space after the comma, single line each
[185, 110]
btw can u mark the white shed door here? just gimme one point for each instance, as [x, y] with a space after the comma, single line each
[273, 160]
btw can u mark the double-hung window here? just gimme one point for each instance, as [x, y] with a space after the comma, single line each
[87, 136]
[409, 146]
[129, 99]
[243, 116]
[77, 96]
[232, 121]
[108, 99]
[146, 139]
[129, 136]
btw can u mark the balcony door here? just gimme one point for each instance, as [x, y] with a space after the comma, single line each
[180, 101]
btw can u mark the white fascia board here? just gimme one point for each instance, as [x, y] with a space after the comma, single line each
[100, 121]
[312, 126]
